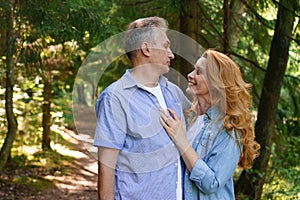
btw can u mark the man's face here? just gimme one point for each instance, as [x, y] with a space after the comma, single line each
[161, 52]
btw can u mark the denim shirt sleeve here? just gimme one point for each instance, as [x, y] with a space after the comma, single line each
[217, 167]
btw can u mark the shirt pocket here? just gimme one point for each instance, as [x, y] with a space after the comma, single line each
[143, 120]
[208, 140]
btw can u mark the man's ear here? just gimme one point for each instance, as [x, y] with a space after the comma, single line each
[145, 49]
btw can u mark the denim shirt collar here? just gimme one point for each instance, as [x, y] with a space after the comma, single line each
[128, 81]
[212, 113]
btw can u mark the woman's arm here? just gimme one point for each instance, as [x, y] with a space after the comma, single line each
[217, 168]
[207, 175]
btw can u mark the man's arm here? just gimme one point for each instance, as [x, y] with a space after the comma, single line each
[107, 159]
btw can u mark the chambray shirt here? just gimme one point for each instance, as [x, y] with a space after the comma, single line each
[211, 177]
[128, 120]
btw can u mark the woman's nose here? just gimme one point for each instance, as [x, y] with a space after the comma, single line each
[190, 75]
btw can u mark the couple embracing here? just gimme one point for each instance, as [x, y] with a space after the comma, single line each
[153, 143]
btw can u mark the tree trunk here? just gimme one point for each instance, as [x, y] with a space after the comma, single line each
[250, 184]
[226, 23]
[47, 111]
[81, 95]
[236, 11]
[189, 25]
[11, 118]
[232, 9]
[2, 39]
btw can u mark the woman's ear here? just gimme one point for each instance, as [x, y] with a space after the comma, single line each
[145, 49]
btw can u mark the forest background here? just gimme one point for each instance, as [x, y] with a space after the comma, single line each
[44, 43]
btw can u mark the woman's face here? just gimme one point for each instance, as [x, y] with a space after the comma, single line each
[197, 84]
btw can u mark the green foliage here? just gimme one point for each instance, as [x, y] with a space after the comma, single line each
[30, 155]
[64, 32]
[114, 71]
[283, 180]
[52, 159]
[29, 166]
[21, 162]
[70, 20]
[31, 169]
[38, 183]
[62, 111]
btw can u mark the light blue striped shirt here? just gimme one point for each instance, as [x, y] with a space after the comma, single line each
[128, 120]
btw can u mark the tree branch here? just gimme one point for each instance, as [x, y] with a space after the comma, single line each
[133, 3]
[260, 68]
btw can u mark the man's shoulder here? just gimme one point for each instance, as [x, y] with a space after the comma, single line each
[111, 91]
[172, 85]
[115, 86]
[174, 88]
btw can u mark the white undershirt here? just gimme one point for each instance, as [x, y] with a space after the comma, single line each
[156, 91]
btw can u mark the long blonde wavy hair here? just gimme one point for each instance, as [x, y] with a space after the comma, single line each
[230, 93]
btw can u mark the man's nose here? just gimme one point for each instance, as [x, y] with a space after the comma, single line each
[170, 54]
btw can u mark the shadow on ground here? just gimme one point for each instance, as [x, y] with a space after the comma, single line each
[67, 172]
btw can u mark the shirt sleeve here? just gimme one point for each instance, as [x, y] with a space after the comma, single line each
[220, 166]
[111, 122]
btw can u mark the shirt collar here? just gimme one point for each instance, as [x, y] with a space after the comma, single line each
[128, 80]
[212, 113]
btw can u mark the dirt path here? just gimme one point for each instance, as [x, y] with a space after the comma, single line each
[78, 184]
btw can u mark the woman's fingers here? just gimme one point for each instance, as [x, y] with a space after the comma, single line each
[173, 113]
[174, 128]
[167, 119]
[163, 123]
[168, 129]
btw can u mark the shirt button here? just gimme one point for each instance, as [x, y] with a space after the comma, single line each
[176, 164]
[186, 174]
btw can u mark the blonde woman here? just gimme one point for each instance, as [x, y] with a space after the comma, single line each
[226, 139]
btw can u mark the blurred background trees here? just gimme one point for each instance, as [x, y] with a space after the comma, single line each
[43, 44]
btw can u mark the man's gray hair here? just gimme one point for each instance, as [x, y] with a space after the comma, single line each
[142, 30]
